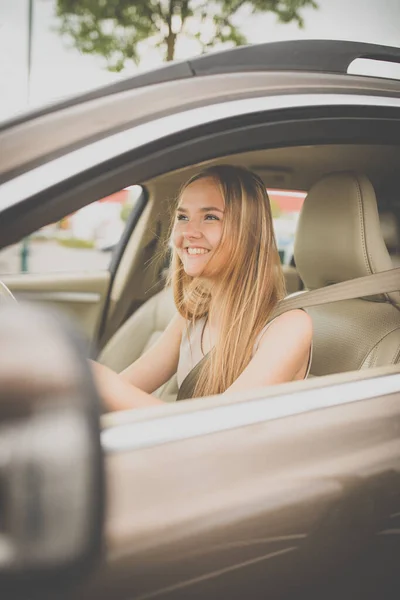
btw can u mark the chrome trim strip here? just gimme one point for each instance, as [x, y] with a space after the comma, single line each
[144, 434]
[81, 297]
[44, 176]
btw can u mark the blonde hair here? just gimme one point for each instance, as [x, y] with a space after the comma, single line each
[248, 288]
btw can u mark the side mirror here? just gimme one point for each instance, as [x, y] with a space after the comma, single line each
[51, 466]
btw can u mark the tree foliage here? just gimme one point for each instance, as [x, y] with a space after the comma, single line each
[115, 29]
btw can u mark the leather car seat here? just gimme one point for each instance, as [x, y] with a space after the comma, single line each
[339, 238]
[138, 333]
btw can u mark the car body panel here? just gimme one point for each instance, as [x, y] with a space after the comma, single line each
[261, 509]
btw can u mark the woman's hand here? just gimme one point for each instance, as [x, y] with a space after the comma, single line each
[117, 393]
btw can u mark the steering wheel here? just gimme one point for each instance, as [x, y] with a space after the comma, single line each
[5, 294]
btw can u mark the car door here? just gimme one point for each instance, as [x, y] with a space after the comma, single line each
[278, 493]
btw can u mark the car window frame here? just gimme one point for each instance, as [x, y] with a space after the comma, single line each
[72, 164]
[88, 121]
[297, 126]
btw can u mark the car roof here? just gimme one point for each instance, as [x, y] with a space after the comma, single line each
[317, 56]
[247, 75]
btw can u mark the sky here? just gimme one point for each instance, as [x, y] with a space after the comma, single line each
[58, 70]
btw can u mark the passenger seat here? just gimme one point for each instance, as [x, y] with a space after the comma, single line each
[339, 238]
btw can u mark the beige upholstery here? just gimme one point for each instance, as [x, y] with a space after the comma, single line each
[339, 238]
[138, 333]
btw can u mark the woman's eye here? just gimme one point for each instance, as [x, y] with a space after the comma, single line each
[211, 217]
[181, 217]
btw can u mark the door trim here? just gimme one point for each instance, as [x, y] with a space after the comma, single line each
[265, 405]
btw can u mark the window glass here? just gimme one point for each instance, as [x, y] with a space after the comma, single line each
[285, 206]
[82, 241]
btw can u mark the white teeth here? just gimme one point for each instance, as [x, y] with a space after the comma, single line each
[197, 251]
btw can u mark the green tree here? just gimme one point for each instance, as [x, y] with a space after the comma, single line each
[114, 29]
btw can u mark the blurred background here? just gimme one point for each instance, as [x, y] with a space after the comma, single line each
[52, 49]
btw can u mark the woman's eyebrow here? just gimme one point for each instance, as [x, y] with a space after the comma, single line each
[207, 208]
[203, 209]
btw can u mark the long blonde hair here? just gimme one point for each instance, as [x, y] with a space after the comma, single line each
[250, 285]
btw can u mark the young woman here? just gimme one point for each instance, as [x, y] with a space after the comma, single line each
[226, 280]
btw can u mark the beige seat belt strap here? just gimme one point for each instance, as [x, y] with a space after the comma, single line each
[370, 285]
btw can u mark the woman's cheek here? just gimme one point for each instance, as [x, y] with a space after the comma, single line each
[216, 237]
[176, 239]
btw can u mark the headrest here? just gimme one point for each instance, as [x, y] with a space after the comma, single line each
[339, 235]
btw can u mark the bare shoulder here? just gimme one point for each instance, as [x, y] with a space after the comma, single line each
[293, 324]
[297, 318]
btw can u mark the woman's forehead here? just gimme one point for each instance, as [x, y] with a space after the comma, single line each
[202, 192]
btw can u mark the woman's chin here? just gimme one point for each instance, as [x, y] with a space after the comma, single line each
[192, 272]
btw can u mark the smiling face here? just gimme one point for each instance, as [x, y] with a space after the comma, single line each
[198, 228]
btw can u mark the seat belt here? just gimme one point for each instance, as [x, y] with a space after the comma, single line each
[370, 285]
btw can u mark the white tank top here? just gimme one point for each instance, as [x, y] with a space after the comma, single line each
[191, 353]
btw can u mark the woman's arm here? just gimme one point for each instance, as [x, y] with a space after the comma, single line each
[282, 354]
[117, 393]
[132, 388]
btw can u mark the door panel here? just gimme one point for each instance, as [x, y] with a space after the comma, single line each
[80, 295]
[275, 509]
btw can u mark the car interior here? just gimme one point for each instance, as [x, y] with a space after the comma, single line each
[340, 236]
[348, 228]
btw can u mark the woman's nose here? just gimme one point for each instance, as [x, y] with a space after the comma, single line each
[191, 230]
